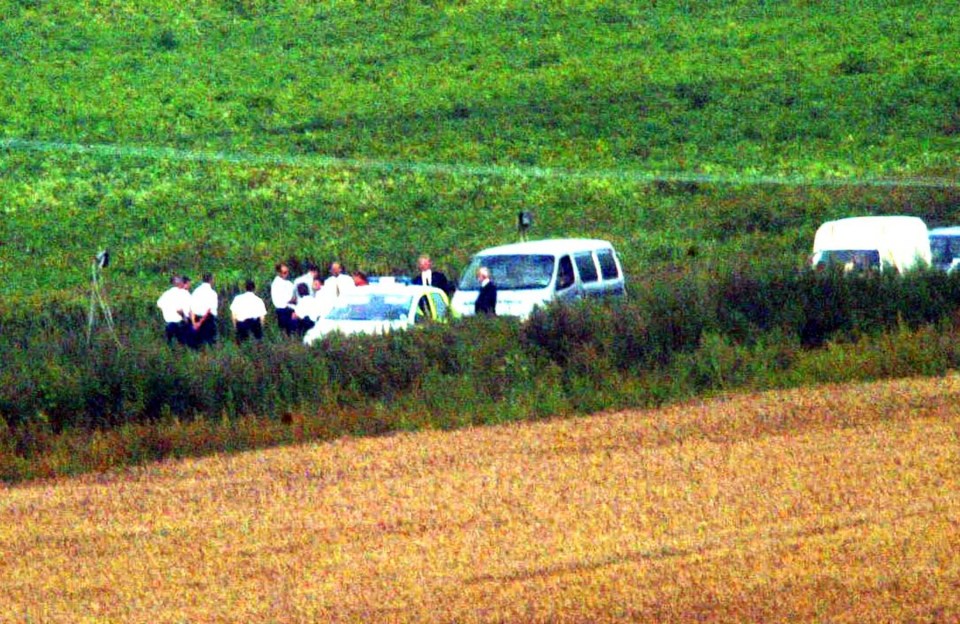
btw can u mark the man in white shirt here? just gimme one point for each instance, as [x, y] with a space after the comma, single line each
[339, 281]
[283, 295]
[174, 304]
[204, 303]
[324, 298]
[248, 312]
[307, 278]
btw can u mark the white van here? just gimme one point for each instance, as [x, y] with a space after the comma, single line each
[883, 243]
[945, 247]
[535, 273]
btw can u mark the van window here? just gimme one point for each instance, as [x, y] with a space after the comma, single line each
[511, 272]
[565, 273]
[944, 249]
[586, 267]
[608, 265]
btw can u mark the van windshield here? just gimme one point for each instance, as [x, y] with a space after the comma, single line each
[511, 272]
[944, 249]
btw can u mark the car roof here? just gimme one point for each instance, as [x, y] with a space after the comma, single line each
[890, 220]
[547, 246]
[953, 230]
[395, 288]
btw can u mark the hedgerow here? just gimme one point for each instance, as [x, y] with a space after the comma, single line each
[678, 335]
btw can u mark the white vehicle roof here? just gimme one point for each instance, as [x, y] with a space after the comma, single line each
[547, 246]
[389, 288]
[953, 230]
[867, 232]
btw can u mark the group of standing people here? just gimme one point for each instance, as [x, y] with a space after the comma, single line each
[301, 301]
[191, 317]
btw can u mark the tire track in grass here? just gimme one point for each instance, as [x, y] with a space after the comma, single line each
[438, 168]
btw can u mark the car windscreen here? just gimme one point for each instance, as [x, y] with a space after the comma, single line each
[371, 307]
[944, 249]
[511, 272]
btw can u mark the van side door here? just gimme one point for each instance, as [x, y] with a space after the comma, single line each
[566, 279]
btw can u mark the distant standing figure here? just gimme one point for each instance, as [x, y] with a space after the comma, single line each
[429, 277]
[487, 299]
[174, 304]
[283, 296]
[248, 312]
[339, 281]
[204, 304]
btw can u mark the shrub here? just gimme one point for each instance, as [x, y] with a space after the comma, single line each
[167, 40]
[499, 359]
[561, 330]
[857, 62]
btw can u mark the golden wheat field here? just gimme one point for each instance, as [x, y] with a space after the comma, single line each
[839, 503]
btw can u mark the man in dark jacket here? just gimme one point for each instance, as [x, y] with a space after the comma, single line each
[487, 299]
[428, 277]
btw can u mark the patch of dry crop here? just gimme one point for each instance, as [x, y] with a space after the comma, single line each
[834, 503]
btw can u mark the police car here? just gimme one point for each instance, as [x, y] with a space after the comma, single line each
[381, 309]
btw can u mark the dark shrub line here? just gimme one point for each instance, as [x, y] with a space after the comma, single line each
[679, 334]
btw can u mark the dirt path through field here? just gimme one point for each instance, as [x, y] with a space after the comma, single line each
[836, 503]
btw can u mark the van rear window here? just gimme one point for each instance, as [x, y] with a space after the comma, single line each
[944, 248]
[586, 268]
[608, 265]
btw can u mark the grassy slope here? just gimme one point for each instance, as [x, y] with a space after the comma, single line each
[730, 85]
[834, 503]
[727, 88]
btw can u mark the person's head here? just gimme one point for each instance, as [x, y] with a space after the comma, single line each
[249, 286]
[283, 270]
[336, 269]
[302, 289]
[360, 278]
[176, 281]
[185, 282]
[208, 278]
[483, 274]
[317, 283]
[424, 263]
[313, 269]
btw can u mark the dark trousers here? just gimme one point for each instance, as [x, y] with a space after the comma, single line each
[304, 324]
[176, 331]
[205, 334]
[285, 320]
[247, 327]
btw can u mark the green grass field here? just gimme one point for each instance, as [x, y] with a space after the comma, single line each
[230, 134]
